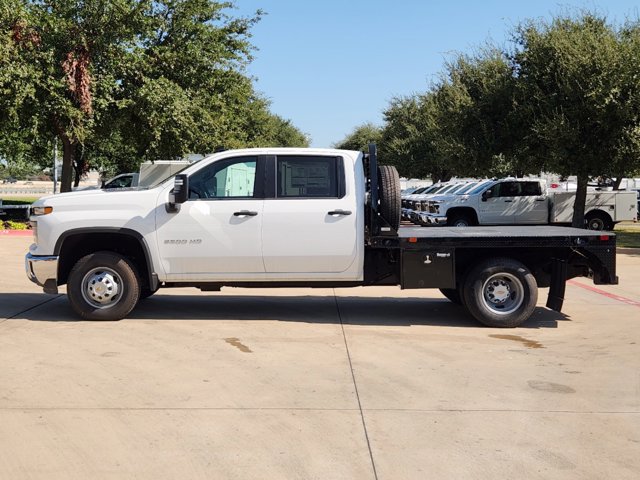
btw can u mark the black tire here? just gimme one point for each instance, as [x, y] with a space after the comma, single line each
[390, 195]
[452, 294]
[460, 220]
[103, 286]
[495, 278]
[598, 221]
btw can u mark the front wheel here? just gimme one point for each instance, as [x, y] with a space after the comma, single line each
[500, 292]
[460, 220]
[103, 286]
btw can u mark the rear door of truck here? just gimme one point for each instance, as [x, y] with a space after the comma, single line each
[310, 222]
[531, 206]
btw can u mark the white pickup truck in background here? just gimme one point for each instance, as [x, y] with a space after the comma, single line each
[526, 202]
[150, 174]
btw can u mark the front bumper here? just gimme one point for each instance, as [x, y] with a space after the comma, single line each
[43, 271]
[435, 219]
[406, 213]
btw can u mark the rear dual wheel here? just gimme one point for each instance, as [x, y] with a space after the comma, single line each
[598, 221]
[500, 292]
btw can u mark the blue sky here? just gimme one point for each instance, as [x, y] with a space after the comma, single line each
[332, 65]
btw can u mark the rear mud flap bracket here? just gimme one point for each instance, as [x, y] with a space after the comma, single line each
[558, 284]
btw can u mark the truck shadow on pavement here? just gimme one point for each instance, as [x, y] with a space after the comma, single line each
[317, 309]
[350, 310]
[14, 303]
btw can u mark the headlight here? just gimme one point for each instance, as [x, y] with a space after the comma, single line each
[41, 210]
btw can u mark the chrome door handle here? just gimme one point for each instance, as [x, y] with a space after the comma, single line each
[245, 213]
[339, 212]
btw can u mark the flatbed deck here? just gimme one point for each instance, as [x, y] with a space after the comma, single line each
[412, 238]
[532, 231]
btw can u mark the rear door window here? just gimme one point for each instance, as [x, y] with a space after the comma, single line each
[309, 177]
[531, 189]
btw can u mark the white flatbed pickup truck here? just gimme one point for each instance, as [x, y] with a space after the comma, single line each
[293, 217]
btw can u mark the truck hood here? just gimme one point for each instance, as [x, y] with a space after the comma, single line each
[83, 195]
[87, 198]
[446, 198]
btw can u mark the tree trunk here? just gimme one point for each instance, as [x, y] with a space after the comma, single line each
[79, 165]
[581, 198]
[68, 154]
[618, 181]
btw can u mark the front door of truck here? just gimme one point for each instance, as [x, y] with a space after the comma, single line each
[310, 227]
[216, 234]
[497, 206]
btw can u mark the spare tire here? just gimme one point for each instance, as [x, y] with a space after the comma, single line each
[389, 188]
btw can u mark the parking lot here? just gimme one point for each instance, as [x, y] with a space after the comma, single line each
[359, 383]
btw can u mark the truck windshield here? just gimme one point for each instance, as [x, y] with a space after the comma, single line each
[457, 188]
[431, 189]
[466, 188]
[443, 189]
[479, 188]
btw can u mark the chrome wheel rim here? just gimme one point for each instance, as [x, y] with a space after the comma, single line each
[502, 293]
[102, 287]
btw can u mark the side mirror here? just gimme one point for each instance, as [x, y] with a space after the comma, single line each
[486, 194]
[179, 194]
[180, 189]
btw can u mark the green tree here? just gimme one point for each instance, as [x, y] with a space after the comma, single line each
[360, 138]
[462, 126]
[487, 123]
[124, 81]
[418, 137]
[576, 79]
[626, 158]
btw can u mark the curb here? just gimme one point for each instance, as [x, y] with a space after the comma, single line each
[631, 250]
[15, 233]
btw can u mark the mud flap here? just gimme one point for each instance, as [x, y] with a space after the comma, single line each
[558, 284]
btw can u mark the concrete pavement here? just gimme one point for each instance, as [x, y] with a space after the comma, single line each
[296, 384]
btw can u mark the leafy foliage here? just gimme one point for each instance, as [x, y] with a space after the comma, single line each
[461, 126]
[14, 225]
[125, 81]
[574, 80]
[360, 138]
[564, 99]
